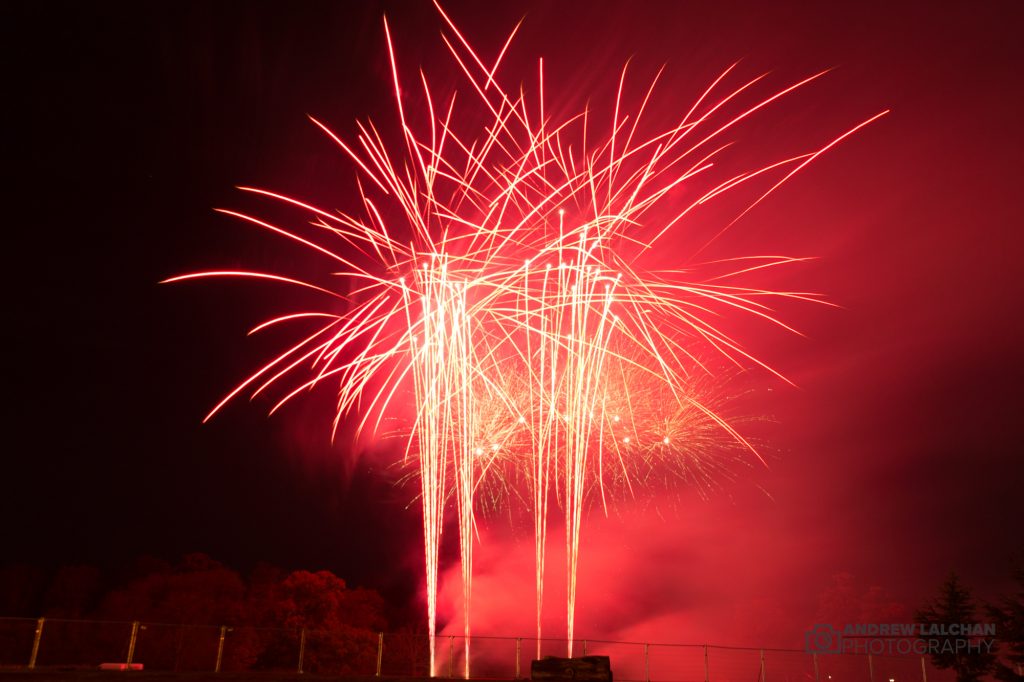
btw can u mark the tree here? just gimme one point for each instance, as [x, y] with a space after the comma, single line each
[848, 600]
[341, 623]
[72, 592]
[181, 609]
[184, 609]
[1008, 615]
[965, 655]
[198, 591]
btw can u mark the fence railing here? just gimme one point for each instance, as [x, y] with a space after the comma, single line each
[53, 642]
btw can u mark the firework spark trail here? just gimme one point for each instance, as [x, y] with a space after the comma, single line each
[496, 268]
[645, 437]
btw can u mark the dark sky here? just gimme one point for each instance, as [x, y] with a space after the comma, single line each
[897, 459]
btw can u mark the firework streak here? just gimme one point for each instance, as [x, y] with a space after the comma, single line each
[494, 273]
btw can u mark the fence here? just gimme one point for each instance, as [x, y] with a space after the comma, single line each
[55, 642]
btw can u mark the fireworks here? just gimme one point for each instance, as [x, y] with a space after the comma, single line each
[494, 273]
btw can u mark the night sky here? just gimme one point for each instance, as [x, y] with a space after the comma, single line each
[896, 459]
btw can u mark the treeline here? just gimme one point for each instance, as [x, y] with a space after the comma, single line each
[969, 658]
[266, 611]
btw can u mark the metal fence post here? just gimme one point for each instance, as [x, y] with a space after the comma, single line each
[924, 671]
[131, 642]
[647, 663]
[817, 677]
[762, 666]
[220, 648]
[35, 643]
[707, 666]
[302, 648]
[380, 651]
[519, 655]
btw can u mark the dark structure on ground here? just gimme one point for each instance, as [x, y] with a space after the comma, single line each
[586, 668]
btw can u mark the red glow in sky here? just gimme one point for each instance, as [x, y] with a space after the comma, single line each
[895, 458]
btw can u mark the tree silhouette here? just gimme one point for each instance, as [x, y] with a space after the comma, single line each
[848, 600]
[188, 612]
[1008, 614]
[72, 592]
[342, 623]
[181, 608]
[954, 606]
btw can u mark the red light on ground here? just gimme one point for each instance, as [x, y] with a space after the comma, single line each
[120, 666]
